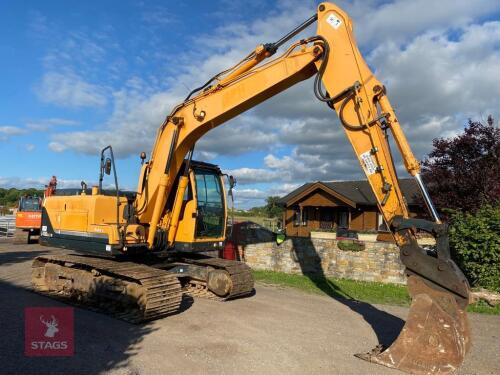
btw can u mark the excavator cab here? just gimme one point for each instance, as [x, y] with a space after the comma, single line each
[29, 203]
[210, 215]
[203, 215]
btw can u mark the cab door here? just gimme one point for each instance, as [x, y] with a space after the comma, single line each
[210, 217]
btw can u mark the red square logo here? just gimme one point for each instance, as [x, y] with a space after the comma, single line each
[48, 331]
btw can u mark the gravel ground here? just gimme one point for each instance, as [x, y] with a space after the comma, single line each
[276, 331]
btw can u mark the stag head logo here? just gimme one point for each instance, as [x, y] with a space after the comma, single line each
[51, 326]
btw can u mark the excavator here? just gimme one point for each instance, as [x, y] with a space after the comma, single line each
[137, 254]
[29, 215]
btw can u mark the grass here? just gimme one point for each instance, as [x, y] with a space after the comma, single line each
[370, 292]
[389, 294]
[265, 222]
[261, 220]
[482, 307]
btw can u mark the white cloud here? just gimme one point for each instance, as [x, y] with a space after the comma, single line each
[30, 147]
[243, 194]
[11, 130]
[439, 66]
[67, 89]
[38, 183]
[401, 20]
[6, 131]
[41, 182]
[57, 147]
[282, 189]
[130, 129]
[438, 76]
[253, 175]
[248, 197]
[49, 123]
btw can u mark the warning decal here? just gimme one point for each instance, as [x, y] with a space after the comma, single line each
[368, 163]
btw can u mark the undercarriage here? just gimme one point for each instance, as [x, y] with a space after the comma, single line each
[137, 292]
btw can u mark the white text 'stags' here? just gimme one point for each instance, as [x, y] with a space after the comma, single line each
[334, 21]
[368, 163]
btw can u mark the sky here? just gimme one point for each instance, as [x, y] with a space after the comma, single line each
[76, 76]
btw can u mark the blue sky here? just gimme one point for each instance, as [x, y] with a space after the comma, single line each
[103, 44]
[79, 75]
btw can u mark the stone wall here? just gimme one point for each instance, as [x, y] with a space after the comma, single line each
[379, 261]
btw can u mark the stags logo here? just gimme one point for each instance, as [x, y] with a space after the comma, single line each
[51, 336]
[51, 326]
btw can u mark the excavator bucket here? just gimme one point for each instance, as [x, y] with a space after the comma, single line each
[436, 336]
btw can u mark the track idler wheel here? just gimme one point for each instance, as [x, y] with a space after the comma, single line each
[434, 339]
[219, 282]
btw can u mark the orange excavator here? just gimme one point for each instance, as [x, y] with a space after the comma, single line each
[142, 251]
[29, 215]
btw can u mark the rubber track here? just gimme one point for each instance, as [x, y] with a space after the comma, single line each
[162, 290]
[240, 273]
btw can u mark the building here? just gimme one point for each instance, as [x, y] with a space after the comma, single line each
[340, 204]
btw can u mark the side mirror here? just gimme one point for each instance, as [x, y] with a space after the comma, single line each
[83, 185]
[143, 157]
[107, 166]
[232, 182]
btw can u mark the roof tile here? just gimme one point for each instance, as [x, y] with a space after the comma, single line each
[360, 192]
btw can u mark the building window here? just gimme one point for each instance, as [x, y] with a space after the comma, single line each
[305, 214]
[381, 226]
[296, 217]
[343, 219]
[326, 218]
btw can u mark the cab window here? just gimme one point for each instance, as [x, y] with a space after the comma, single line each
[210, 215]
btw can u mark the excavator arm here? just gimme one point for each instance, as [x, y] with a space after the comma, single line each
[435, 338]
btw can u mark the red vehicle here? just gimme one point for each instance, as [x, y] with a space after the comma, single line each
[28, 219]
[29, 215]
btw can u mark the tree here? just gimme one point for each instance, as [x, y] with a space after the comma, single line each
[10, 197]
[475, 245]
[463, 172]
[273, 208]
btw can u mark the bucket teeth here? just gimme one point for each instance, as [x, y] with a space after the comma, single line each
[435, 338]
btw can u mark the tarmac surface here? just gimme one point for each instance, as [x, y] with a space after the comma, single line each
[276, 331]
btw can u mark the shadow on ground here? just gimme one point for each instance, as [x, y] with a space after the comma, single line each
[386, 326]
[13, 256]
[102, 343]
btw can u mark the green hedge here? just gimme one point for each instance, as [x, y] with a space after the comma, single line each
[350, 245]
[475, 245]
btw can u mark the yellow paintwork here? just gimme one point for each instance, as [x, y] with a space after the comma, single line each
[345, 67]
[187, 221]
[95, 215]
[92, 214]
[219, 105]
[249, 83]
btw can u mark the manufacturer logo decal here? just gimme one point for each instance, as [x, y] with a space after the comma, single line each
[334, 21]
